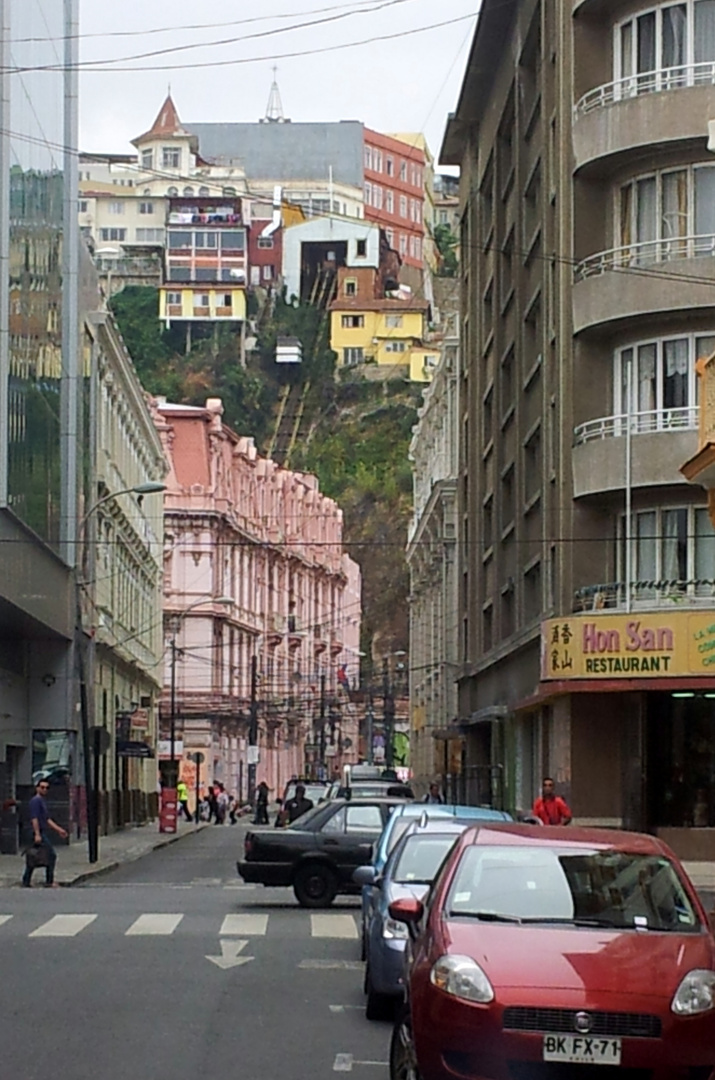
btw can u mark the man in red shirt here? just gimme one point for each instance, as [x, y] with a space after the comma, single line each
[550, 807]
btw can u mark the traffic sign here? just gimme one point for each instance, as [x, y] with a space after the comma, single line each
[197, 757]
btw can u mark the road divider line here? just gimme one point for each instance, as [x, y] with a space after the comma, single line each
[63, 926]
[154, 925]
[333, 926]
[331, 965]
[238, 925]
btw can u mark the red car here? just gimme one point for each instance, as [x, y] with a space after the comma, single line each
[557, 954]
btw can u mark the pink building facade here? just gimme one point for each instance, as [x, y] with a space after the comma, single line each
[254, 566]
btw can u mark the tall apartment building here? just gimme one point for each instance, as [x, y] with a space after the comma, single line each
[394, 178]
[588, 564]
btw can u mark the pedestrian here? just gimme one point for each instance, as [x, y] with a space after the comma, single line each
[297, 806]
[233, 809]
[41, 824]
[182, 797]
[434, 795]
[222, 801]
[212, 797]
[550, 807]
[261, 817]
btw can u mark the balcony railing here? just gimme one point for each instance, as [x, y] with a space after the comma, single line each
[608, 427]
[645, 254]
[646, 595]
[647, 82]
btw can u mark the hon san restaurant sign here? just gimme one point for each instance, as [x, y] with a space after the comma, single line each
[628, 646]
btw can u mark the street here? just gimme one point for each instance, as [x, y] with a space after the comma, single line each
[171, 966]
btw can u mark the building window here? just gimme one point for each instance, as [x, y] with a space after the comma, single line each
[117, 235]
[665, 41]
[662, 378]
[147, 159]
[389, 166]
[403, 206]
[353, 356]
[368, 193]
[268, 273]
[533, 465]
[395, 346]
[201, 301]
[377, 196]
[390, 202]
[403, 244]
[403, 171]
[352, 322]
[188, 192]
[660, 212]
[172, 192]
[377, 161]
[265, 243]
[150, 236]
[170, 157]
[360, 249]
[418, 249]
[390, 237]
[146, 208]
[412, 247]
[350, 287]
[368, 157]
[532, 593]
[672, 546]
[394, 322]
[83, 206]
[116, 208]
[173, 298]
[204, 192]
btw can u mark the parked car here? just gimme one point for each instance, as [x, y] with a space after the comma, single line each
[369, 789]
[315, 790]
[549, 952]
[409, 871]
[397, 824]
[318, 853]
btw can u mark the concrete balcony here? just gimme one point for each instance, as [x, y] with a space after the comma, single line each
[642, 280]
[660, 442]
[646, 596]
[658, 108]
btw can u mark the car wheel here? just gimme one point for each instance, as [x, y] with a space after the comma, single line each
[377, 1006]
[403, 1059]
[363, 945]
[315, 886]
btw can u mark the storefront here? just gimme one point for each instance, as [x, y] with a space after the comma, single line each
[639, 691]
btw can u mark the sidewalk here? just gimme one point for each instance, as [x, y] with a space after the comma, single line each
[702, 875]
[114, 850]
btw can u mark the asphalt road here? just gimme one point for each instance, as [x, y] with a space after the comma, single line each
[113, 981]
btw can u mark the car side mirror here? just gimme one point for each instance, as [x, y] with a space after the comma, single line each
[407, 910]
[364, 875]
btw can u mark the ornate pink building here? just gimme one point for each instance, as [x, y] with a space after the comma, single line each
[254, 565]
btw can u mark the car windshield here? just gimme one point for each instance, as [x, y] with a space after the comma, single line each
[314, 792]
[421, 858]
[582, 887]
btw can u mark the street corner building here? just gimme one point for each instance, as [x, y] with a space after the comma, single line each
[262, 612]
[586, 561]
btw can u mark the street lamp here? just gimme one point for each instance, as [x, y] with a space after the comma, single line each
[149, 488]
[226, 601]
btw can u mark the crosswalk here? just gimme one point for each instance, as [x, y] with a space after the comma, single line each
[165, 924]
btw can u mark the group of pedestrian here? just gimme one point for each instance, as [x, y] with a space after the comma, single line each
[215, 804]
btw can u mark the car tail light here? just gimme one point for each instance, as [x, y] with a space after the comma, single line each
[248, 844]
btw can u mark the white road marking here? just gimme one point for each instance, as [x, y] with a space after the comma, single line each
[333, 926]
[345, 1063]
[344, 1008]
[332, 965]
[63, 926]
[4, 919]
[238, 925]
[154, 925]
[229, 957]
[236, 888]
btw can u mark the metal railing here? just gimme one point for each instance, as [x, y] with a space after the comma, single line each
[612, 596]
[646, 82]
[684, 418]
[647, 253]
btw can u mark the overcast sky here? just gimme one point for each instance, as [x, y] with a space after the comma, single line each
[408, 82]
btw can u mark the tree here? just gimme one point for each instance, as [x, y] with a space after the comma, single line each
[446, 243]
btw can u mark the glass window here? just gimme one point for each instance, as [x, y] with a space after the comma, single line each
[336, 823]
[421, 858]
[170, 157]
[235, 240]
[704, 547]
[704, 34]
[180, 241]
[675, 373]
[674, 545]
[674, 36]
[705, 202]
[646, 540]
[364, 819]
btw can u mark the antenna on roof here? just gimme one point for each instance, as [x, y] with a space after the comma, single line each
[274, 109]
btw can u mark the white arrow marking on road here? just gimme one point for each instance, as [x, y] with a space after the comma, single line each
[343, 1008]
[229, 957]
[345, 1063]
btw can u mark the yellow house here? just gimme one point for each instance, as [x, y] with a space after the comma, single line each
[195, 303]
[385, 333]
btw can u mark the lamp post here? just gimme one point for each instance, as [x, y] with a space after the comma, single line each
[88, 744]
[178, 619]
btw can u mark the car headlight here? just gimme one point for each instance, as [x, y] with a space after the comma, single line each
[463, 978]
[696, 993]
[392, 929]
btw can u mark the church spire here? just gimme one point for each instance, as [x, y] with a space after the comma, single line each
[274, 109]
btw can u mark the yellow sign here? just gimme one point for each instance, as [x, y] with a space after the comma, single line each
[635, 646]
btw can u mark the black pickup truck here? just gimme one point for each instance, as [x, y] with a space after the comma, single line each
[317, 853]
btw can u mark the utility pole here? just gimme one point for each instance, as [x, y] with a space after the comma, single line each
[172, 737]
[388, 705]
[253, 731]
[322, 725]
[370, 728]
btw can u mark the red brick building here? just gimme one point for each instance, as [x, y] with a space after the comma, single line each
[394, 193]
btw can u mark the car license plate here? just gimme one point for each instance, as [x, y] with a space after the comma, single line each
[582, 1049]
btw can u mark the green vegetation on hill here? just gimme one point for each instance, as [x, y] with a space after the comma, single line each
[355, 433]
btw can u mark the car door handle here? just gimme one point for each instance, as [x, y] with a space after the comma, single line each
[331, 843]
